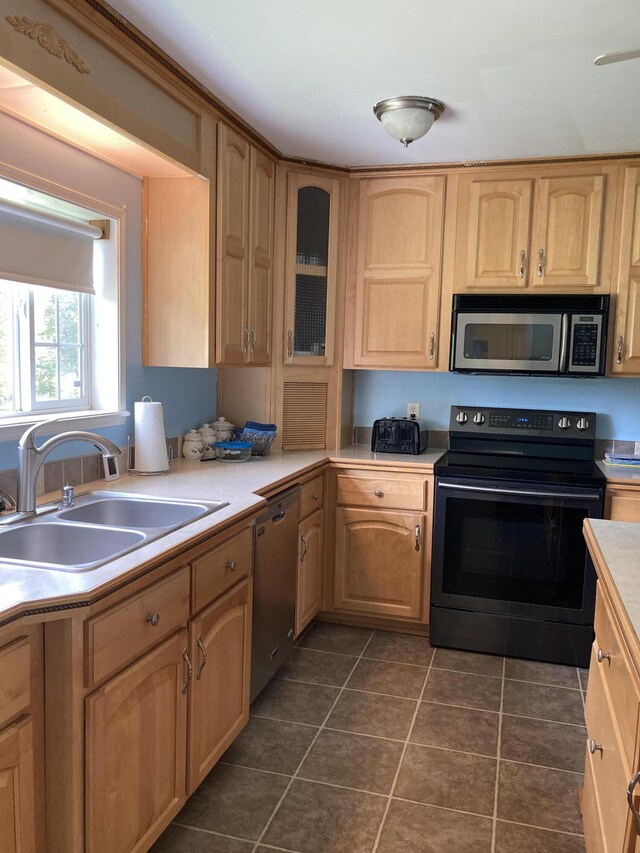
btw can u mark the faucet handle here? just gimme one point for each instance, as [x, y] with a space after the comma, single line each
[67, 495]
[27, 439]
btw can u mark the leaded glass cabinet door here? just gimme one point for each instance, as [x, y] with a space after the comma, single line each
[311, 270]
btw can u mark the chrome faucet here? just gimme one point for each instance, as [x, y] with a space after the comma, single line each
[31, 457]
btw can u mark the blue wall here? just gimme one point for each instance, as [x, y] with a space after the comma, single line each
[188, 395]
[380, 393]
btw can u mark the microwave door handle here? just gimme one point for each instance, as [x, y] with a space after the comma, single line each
[564, 343]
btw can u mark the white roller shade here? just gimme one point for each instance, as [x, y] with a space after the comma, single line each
[38, 247]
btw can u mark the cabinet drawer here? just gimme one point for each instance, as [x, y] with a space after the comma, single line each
[124, 632]
[622, 504]
[610, 777]
[618, 675]
[388, 491]
[311, 496]
[15, 678]
[219, 569]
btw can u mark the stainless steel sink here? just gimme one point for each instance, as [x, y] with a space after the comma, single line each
[117, 511]
[99, 527]
[65, 546]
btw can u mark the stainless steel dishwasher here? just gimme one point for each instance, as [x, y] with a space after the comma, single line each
[274, 587]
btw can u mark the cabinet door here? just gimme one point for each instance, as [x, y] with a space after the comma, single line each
[567, 229]
[496, 251]
[399, 253]
[626, 338]
[261, 257]
[310, 569]
[220, 640]
[136, 751]
[17, 797]
[622, 504]
[232, 247]
[311, 269]
[379, 562]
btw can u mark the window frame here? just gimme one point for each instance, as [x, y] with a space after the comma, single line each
[106, 328]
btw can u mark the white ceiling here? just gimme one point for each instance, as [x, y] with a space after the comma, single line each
[517, 76]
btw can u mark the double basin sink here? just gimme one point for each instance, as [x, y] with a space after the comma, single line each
[98, 527]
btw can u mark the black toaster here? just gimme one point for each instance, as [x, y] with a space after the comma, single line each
[398, 435]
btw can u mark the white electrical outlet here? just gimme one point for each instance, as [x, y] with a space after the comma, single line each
[413, 410]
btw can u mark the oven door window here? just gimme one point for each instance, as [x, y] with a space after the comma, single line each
[514, 551]
[513, 342]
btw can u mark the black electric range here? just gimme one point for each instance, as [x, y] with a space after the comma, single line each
[510, 571]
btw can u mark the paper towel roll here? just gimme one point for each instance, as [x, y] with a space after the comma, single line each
[151, 443]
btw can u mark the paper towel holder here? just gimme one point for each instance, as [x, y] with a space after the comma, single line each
[133, 472]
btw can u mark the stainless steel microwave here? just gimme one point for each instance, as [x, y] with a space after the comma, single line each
[547, 335]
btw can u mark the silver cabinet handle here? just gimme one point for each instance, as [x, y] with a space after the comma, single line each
[305, 547]
[253, 338]
[540, 262]
[417, 537]
[189, 673]
[600, 655]
[620, 342]
[634, 811]
[379, 493]
[289, 344]
[595, 747]
[203, 652]
[153, 619]
[231, 565]
[245, 344]
[432, 345]
[523, 260]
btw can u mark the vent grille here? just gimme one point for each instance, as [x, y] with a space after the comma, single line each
[304, 416]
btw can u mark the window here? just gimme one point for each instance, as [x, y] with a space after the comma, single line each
[44, 349]
[59, 311]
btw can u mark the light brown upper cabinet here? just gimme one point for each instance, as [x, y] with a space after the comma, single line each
[537, 231]
[244, 251]
[626, 327]
[311, 269]
[398, 273]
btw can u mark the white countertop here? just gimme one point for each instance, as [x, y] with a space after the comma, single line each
[24, 589]
[619, 546]
[625, 475]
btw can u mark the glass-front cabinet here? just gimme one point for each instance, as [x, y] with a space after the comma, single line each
[311, 269]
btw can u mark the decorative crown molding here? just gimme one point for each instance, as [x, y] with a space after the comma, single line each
[49, 39]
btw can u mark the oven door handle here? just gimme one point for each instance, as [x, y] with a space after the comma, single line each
[586, 496]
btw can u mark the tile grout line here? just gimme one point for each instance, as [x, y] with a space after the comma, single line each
[310, 747]
[494, 822]
[402, 755]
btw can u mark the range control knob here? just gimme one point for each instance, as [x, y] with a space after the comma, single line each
[478, 418]
[564, 423]
[582, 424]
[462, 418]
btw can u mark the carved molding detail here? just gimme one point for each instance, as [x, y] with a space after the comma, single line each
[49, 39]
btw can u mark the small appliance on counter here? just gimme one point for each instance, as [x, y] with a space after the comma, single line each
[398, 435]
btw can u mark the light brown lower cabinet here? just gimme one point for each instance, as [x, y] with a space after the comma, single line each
[220, 643]
[310, 569]
[21, 740]
[136, 750]
[622, 503]
[379, 560]
[612, 755]
[17, 805]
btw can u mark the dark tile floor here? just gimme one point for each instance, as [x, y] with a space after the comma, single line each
[371, 742]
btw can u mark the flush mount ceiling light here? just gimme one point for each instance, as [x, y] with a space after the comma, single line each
[408, 117]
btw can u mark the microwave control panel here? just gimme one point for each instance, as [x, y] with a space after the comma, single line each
[585, 343]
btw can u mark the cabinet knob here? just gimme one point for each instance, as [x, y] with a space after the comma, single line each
[378, 493]
[595, 747]
[314, 497]
[153, 619]
[600, 656]
[231, 565]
